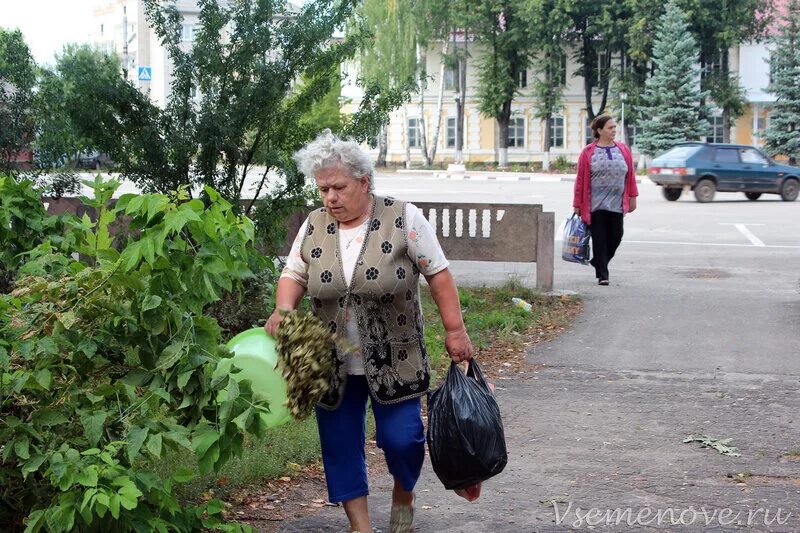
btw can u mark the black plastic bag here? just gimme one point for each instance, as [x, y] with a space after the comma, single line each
[465, 433]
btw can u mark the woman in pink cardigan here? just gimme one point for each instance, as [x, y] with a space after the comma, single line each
[605, 190]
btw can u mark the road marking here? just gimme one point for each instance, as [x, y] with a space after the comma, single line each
[735, 245]
[746, 232]
[749, 234]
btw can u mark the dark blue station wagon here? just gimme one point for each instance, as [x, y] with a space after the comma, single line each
[708, 168]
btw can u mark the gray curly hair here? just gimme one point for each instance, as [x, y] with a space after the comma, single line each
[329, 150]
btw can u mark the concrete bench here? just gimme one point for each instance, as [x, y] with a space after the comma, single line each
[509, 233]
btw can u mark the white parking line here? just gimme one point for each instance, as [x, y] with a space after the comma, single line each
[736, 245]
[746, 232]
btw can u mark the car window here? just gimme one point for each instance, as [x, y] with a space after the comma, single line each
[680, 152]
[751, 156]
[726, 155]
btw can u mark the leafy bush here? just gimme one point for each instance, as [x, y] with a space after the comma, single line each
[561, 164]
[106, 364]
[24, 223]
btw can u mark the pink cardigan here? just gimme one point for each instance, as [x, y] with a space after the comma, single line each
[582, 196]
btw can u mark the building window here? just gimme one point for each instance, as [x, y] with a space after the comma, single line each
[633, 134]
[715, 132]
[557, 132]
[516, 132]
[450, 135]
[188, 33]
[589, 133]
[761, 124]
[101, 30]
[451, 79]
[562, 72]
[413, 133]
[522, 79]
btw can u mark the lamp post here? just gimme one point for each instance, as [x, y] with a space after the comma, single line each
[622, 97]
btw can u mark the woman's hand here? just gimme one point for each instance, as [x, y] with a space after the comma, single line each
[458, 345]
[273, 322]
[576, 210]
[632, 204]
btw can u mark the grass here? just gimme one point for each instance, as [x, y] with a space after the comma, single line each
[491, 320]
[281, 451]
[489, 316]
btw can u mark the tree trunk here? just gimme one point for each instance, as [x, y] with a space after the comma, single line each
[726, 112]
[588, 73]
[405, 137]
[383, 147]
[548, 141]
[502, 126]
[437, 125]
[423, 85]
[461, 101]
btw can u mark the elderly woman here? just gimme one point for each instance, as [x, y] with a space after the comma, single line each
[360, 258]
[605, 190]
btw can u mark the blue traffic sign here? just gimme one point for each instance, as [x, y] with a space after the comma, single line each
[145, 74]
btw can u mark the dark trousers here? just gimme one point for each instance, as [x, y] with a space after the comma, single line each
[606, 231]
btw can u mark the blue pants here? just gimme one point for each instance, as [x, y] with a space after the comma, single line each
[342, 432]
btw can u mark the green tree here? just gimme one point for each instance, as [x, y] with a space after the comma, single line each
[501, 28]
[17, 81]
[719, 25]
[592, 35]
[389, 62]
[67, 108]
[672, 96]
[551, 26]
[783, 133]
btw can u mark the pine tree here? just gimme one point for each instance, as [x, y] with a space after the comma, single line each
[672, 95]
[783, 134]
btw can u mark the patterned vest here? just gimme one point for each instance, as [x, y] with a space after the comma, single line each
[383, 294]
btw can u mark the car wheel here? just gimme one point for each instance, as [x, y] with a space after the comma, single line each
[790, 189]
[96, 165]
[704, 190]
[671, 193]
[753, 195]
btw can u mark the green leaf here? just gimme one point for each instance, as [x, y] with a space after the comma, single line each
[148, 249]
[170, 355]
[203, 437]
[93, 422]
[243, 420]
[129, 496]
[136, 437]
[32, 465]
[88, 496]
[35, 521]
[21, 445]
[154, 444]
[113, 504]
[67, 319]
[183, 475]
[136, 377]
[49, 417]
[209, 459]
[87, 477]
[131, 256]
[184, 377]
[233, 390]
[151, 302]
